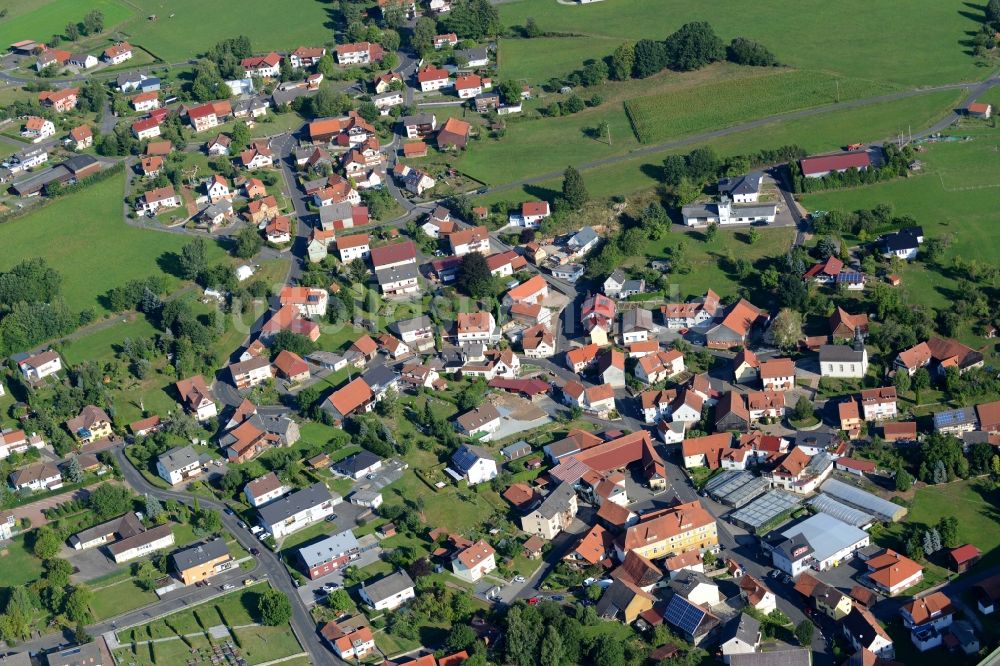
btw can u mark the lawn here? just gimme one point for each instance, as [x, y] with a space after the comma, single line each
[40, 19]
[119, 597]
[185, 28]
[99, 346]
[18, 565]
[83, 236]
[673, 114]
[848, 38]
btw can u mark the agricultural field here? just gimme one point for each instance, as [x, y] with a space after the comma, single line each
[96, 250]
[185, 28]
[674, 114]
[40, 19]
[847, 38]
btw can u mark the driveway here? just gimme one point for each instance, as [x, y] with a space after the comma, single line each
[311, 592]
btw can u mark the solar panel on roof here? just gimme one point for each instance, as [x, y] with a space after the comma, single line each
[684, 615]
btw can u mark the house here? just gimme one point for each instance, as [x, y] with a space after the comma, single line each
[474, 239]
[264, 489]
[756, 594]
[28, 159]
[926, 618]
[695, 623]
[359, 465]
[90, 425]
[257, 156]
[387, 593]
[817, 167]
[843, 361]
[197, 398]
[146, 426]
[178, 464]
[81, 137]
[879, 404]
[735, 326]
[217, 213]
[38, 128]
[247, 374]
[306, 56]
[118, 53]
[474, 57]
[480, 422]
[742, 189]
[385, 82]
[746, 367]
[433, 78]
[260, 211]
[613, 283]
[327, 555]
[486, 102]
[623, 600]
[659, 366]
[36, 367]
[398, 280]
[265, 66]
[453, 134]
[278, 230]
[904, 244]
[474, 463]
[40, 476]
[59, 101]
[154, 200]
[217, 188]
[298, 510]
[597, 314]
[671, 531]
[349, 643]
[825, 272]
[863, 631]
[361, 53]
[849, 417]
[538, 342]
[418, 126]
[892, 573]
[844, 325]
[203, 117]
[450, 40]
[725, 212]
[16, 441]
[142, 543]
[777, 374]
[147, 128]
[146, 101]
[505, 264]
[287, 318]
[939, 354]
[416, 333]
[291, 367]
[201, 561]
[637, 325]
[964, 557]
[979, 110]
[611, 368]
[309, 301]
[353, 247]
[474, 561]
[553, 515]
[150, 166]
[415, 181]
[743, 637]
[83, 60]
[899, 432]
[800, 472]
[468, 86]
[532, 291]
[352, 398]
[705, 451]
[475, 327]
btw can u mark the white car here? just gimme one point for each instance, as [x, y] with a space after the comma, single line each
[518, 579]
[263, 536]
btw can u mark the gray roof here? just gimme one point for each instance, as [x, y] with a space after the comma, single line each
[839, 354]
[785, 657]
[637, 320]
[78, 655]
[826, 534]
[478, 417]
[583, 237]
[557, 501]
[288, 506]
[123, 526]
[128, 77]
[746, 629]
[617, 276]
[616, 599]
[862, 499]
[474, 54]
[687, 580]
[396, 273]
[329, 548]
[388, 587]
[36, 181]
[338, 211]
[141, 539]
[354, 464]
[415, 324]
[516, 450]
[467, 455]
[78, 162]
[748, 184]
[379, 376]
[418, 119]
[18, 659]
[199, 553]
[177, 458]
[221, 207]
[282, 97]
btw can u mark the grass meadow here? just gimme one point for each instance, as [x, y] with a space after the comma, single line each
[852, 38]
[83, 236]
[40, 19]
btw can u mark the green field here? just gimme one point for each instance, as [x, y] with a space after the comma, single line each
[18, 564]
[83, 236]
[40, 19]
[849, 38]
[716, 105]
[185, 28]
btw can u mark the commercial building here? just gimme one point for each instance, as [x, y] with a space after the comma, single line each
[201, 561]
[820, 542]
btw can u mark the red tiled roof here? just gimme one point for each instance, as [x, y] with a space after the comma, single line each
[857, 159]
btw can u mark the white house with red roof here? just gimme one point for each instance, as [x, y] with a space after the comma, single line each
[475, 561]
[433, 78]
[118, 53]
[531, 215]
[265, 66]
[217, 188]
[360, 53]
[469, 85]
[306, 56]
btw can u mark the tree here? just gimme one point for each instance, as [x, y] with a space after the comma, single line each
[940, 473]
[72, 31]
[609, 651]
[803, 408]
[73, 472]
[108, 500]
[93, 22]
[248, 243]
[693, 46]
[573, 104]
[928, 543]
[787, 328]
[531, 29]
[753, 236]
[745, 51]
[339, 600]
[674, 170]
[904, 481]
[154, 510]
[804, 632]
[524, 631]
[474, 277]
[711, 232]
[993, 13]
[146, 575]
[552, 652]
[46, 544]
[921, 381]
[462, 637]
[947, 527]
[357, 271]
[422, 38]
[193, 261]
[902, 381]
[275, 608]
[78, 605]
[239, 138]
[650, 58]
[623, 61]
[574, 190]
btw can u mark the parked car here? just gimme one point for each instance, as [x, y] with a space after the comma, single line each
[330, 587]
[255, 551]
[518, 579]
[332, 517]
[228, 586]
[533, 600]
[264, 536]
[249, 581]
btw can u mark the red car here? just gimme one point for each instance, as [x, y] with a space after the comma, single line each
[533, 600]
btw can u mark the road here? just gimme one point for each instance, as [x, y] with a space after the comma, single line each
[268, 563]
